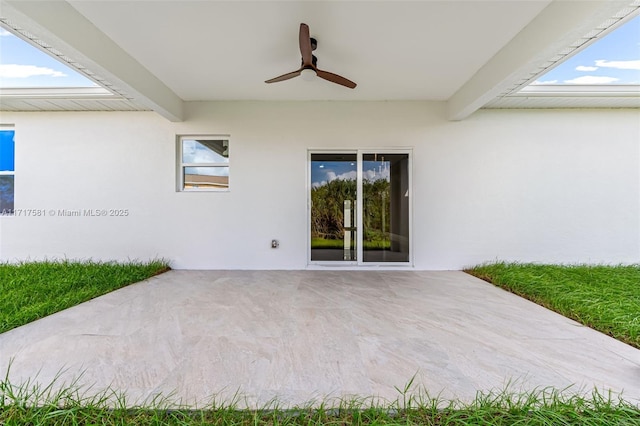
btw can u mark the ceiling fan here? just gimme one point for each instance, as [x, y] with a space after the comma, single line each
[309, 61]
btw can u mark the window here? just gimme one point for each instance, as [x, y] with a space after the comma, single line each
[203, 163]
[7, 171]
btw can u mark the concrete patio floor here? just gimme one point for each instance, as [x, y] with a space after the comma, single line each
[304, 336]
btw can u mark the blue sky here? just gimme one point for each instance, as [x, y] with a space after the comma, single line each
[22, 65]
[614, 59]
[323, 172]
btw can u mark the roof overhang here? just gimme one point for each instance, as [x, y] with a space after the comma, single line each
[562, 26]
[78, 41]
[60, 28]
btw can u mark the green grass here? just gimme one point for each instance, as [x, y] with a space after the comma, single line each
[606, 298]
[32, 404]
[33, 290]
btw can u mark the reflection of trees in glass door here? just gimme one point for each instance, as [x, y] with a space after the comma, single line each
[350, 192]
[385, 207]
[333, 207]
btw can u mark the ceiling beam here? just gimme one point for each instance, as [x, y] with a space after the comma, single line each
[561, 23]
[61, 26]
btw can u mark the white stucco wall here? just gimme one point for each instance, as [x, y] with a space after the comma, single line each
[526, 185]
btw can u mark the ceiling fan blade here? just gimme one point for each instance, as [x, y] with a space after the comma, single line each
[305, 45]
[335, 78]
[284, 77]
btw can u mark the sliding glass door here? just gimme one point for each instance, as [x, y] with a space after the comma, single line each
[359, 207]
[385, 207]
[333, 202]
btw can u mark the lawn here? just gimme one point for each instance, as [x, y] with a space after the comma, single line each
[605, 298]
[33, 290]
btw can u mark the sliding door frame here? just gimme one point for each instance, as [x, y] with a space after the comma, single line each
[359, 262]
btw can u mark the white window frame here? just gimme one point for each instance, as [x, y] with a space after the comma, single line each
[181, 165]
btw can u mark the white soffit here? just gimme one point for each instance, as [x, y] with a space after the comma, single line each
[64, 99]
[571, 96]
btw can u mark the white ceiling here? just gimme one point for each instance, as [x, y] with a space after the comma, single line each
[162, 53]
[393, 50]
